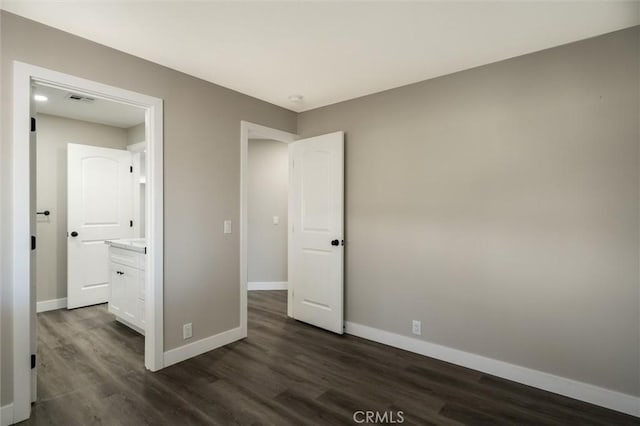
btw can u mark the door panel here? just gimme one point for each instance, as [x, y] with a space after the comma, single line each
[316, 265]
[100, 207]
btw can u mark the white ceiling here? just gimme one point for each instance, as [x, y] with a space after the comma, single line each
[99, 111]
[327, 51]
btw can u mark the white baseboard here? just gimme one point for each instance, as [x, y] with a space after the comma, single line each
[6, 415]
[201, 346]
[51, 305]
[277, 285]
[573, 389]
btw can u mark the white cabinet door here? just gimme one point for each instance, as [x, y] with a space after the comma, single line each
[100, 207]
[115, 289]
[130, 283]
[316, 250]
[141, 314]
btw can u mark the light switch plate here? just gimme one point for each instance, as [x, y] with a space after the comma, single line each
[227, 226]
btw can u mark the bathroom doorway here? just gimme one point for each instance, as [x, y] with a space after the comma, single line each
[28, 82]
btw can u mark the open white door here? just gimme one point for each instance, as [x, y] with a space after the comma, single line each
[32, 266]
[316, 248]
[100, 207]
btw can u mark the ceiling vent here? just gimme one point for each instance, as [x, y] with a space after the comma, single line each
[79, 98]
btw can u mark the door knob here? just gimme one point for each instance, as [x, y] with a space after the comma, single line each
[335, 242]
[74, 234]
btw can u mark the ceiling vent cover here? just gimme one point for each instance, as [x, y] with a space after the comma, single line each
[79, 98]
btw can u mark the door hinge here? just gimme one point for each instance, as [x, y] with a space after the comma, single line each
[33, 361]
[130, 224]
[130, 169]
[33, 242]
[33, 124]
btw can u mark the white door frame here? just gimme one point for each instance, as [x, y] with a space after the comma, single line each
[24, 75]
[253, 131]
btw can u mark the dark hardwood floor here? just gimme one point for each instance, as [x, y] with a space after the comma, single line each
[91, 372]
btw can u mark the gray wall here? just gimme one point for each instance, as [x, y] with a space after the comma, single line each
[53, 135]
[201, 173]
[268, 189]
[500, 207]
[136, 134]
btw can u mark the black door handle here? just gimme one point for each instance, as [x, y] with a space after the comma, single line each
[74, 234]
[335, 242]
[46, 212]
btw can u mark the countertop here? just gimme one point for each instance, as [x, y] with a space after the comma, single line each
[133, 244]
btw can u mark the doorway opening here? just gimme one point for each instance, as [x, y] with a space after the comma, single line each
[89, 192]
[264, 217]
[83, 161]
[268, 189]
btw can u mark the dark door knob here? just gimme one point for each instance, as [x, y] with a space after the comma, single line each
[335, 242]
[74, 234]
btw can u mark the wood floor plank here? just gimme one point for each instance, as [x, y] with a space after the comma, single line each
[91, 372]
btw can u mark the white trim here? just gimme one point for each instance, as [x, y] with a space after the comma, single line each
[264, 285]
[23, 76]
[6, 415]
[573, 389]
[51, 305]
[201, 346]
[249, 131]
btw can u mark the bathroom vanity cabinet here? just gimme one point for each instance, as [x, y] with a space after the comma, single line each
[127, 260]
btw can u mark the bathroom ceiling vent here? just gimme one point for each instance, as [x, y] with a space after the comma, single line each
[79, 98]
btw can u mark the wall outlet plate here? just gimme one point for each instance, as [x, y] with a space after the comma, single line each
[187, 331]
[227, 226]
[416, 327]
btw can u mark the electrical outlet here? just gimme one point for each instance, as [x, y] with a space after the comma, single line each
[416, 327]
[227, 226]
[276, 220]
[187, 331]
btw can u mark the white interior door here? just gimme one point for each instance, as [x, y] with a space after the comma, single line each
[32, 266]
[316, 248]
[100, 207]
